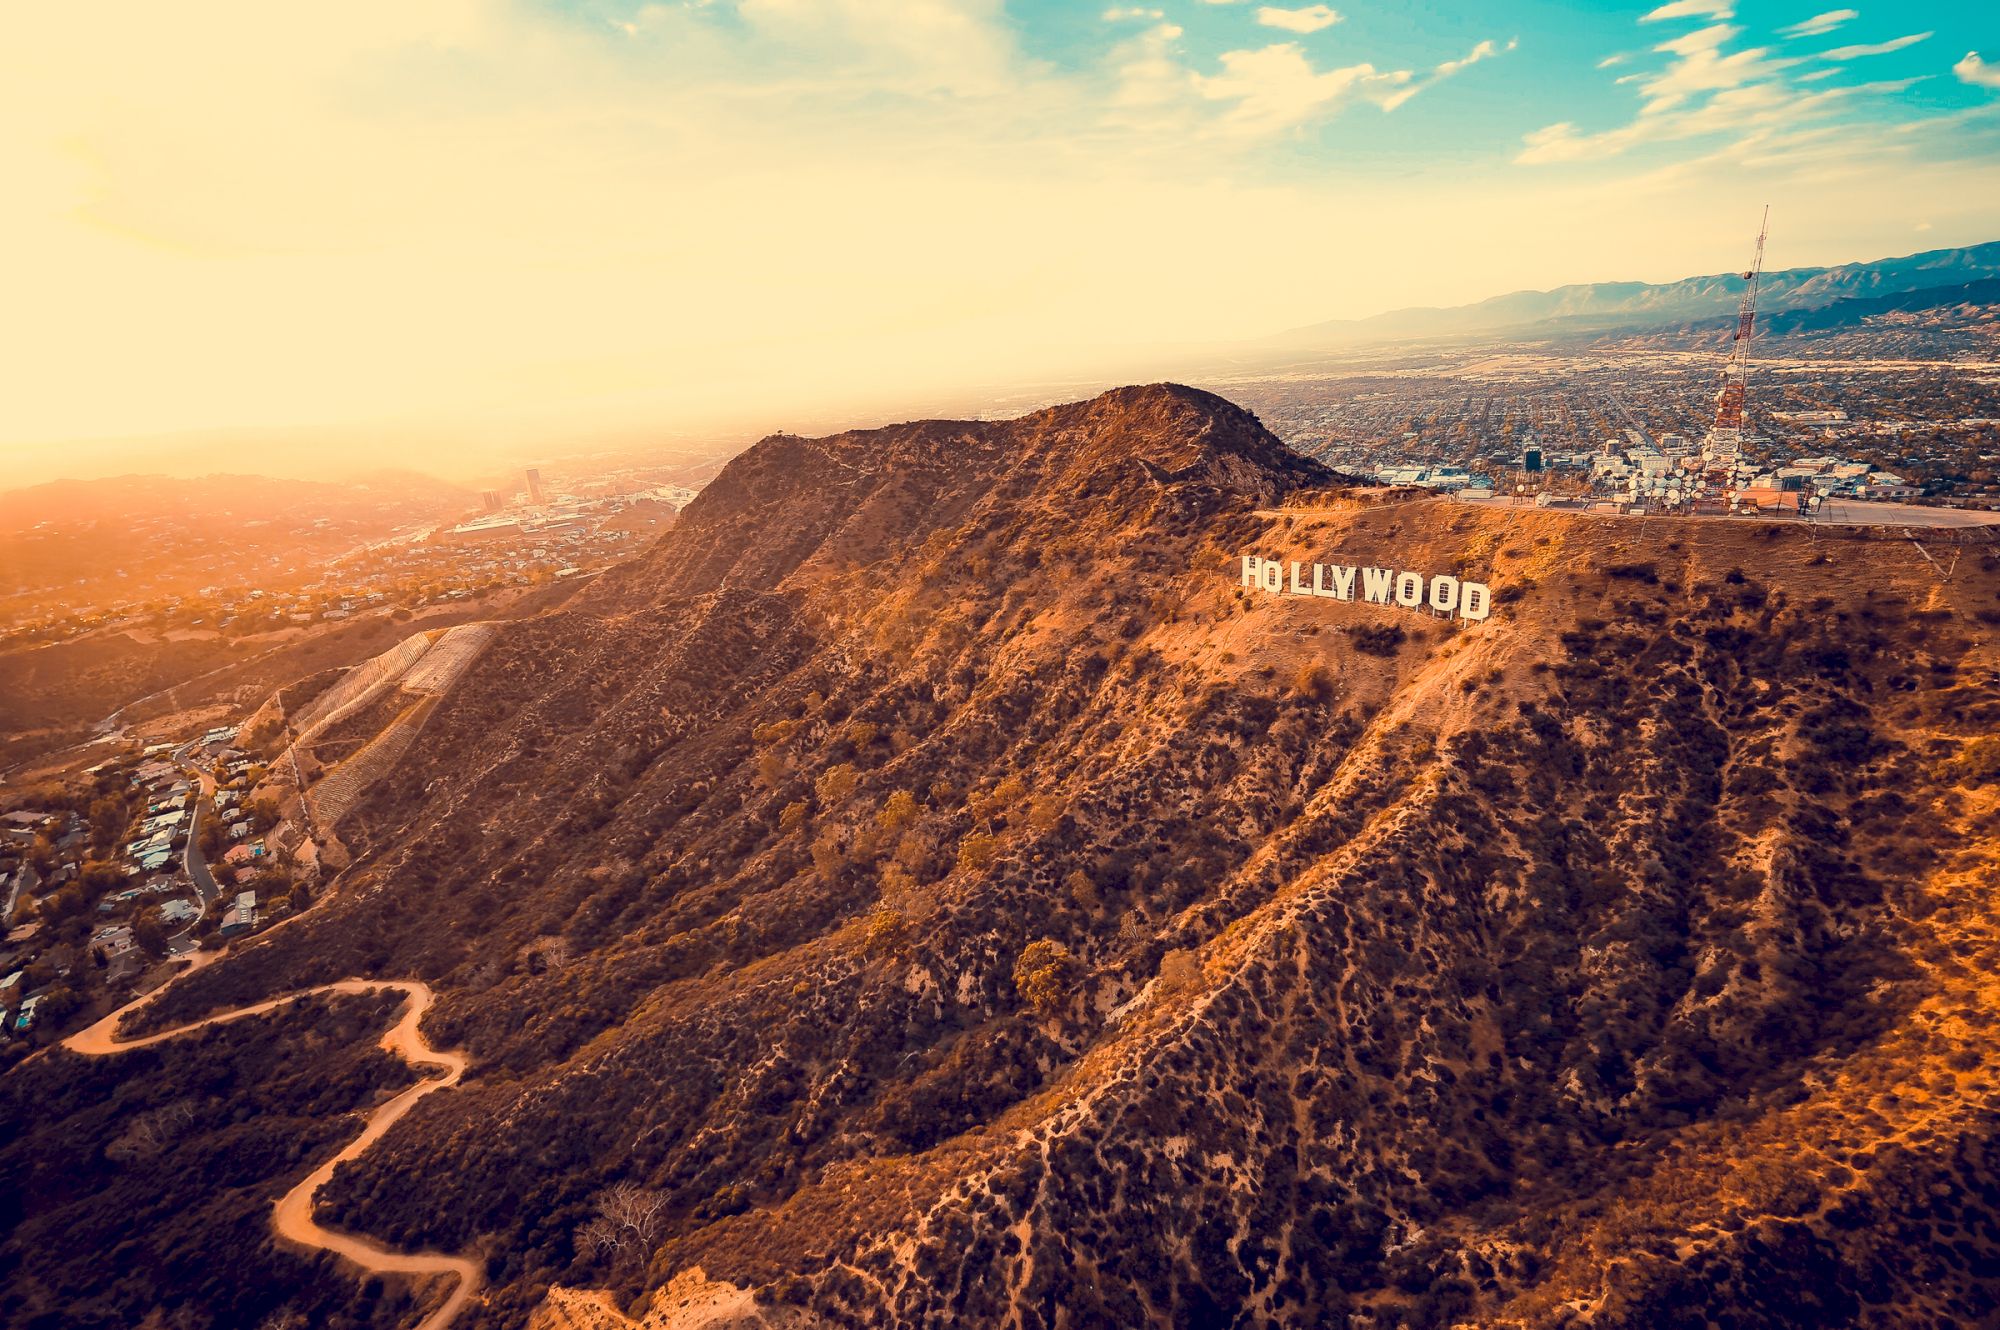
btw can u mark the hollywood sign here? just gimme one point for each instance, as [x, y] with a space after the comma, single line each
[1447, 595]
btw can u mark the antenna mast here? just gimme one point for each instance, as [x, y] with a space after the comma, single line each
[1727, 436]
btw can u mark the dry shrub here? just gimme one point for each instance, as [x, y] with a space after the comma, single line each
[978, 851]
[1314, 682]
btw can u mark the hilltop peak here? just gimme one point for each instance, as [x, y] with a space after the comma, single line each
[1133, 458]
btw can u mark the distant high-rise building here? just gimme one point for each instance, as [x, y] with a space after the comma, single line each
[535, 494]
[491, 498]
[1531, 460]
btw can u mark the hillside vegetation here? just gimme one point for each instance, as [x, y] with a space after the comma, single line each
[927, 889]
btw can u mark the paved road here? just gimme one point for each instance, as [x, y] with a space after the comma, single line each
[13, 895]
[193, 862]
[292, 1217]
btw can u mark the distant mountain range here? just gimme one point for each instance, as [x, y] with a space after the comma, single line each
[1608, 306]
[1966, 302]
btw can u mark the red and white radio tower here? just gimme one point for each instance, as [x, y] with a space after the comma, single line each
[1726, 439]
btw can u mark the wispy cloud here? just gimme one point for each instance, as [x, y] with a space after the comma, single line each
[1976, 72]
[1874, 48]
[1713, 9]
[1445, 69]
[1121, 13]
[1312, 18]
[1712, 88]
[1821, 24]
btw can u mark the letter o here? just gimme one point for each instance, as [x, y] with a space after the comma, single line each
[1444, 594]
[1409, 589]
[1273, 574]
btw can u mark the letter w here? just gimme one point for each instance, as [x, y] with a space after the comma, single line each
[1375, 585]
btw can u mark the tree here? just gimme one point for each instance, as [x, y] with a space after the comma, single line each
[888, 933]
[836, 783]
[1314, 682]
[58, 1003]
[628, 1218]
[151, 1132]
[977, 851]
[548, 954]
[1044, 974]
[897, 812]
[108, 819]
[829, 853]
[100, 875]
[148, 934]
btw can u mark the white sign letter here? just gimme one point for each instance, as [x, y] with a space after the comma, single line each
[1444, 594]
[1375, 585]
[1474, 601]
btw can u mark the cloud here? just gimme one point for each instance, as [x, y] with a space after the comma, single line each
[1711, 89]
[1118, 13]
[1821, 24]
[1277, 88]
[1975, 71]
[494, 221]
[1715, 9]
[1611, 61]
[1877, 48]
[1148, 80]
[1704, 67]
[1444, 71]
[1312, 18]
[958, 46]
[1484, 50]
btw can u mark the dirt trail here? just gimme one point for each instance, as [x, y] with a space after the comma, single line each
[293, 1215]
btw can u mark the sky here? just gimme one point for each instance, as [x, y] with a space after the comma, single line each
[290, 237]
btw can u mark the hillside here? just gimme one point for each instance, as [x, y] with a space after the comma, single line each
[1598, 306]
[1932, 322]
[947, 896]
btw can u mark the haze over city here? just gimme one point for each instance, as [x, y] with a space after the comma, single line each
[334, 239]
[1000, 664]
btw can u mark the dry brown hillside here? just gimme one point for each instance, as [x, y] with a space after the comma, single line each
[943, 896]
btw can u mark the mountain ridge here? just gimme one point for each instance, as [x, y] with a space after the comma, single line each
[1589, 306]
[935, 877]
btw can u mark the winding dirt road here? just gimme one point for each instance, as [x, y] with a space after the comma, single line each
[293, 1215]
